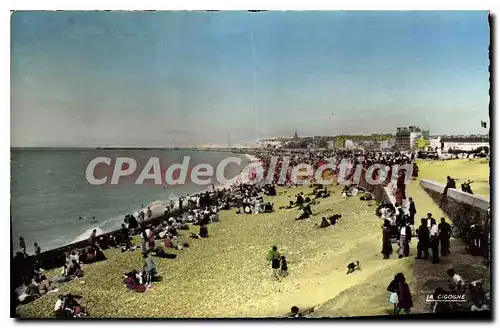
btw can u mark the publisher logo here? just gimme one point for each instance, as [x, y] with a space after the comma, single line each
[448, 297]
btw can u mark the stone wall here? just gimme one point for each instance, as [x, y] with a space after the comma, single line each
[457, 204]
[463, 209]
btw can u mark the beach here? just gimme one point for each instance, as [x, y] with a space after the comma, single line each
[49, 192]
[227, 274]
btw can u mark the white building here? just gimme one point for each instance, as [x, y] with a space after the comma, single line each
[463, 143]
[435, 143]
[350, 144]
[387, 144]
[270, 144]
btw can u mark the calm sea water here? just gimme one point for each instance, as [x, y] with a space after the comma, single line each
[49, 191]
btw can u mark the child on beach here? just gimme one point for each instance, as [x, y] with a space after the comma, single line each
[149, 268]
[274, 257]
[284, 267]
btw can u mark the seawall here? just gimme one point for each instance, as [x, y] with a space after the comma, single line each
[458, 205]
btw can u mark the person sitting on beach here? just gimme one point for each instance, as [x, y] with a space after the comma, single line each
[294, 312]
[103, 243]
[268, 207]
[271, 191]
[202, 234]
[291, 205]
[307, 209]
[59, 308]
[75, 270]
[132, 282]
[167, 242]
[334, 218]
[175, 242]
[27, 292]
[159, 252]
[45, 285]
[351, 267]
[303, 216]
[324, 223]
[93, 254]
[458, 281]
[68, 307]
[299, 200]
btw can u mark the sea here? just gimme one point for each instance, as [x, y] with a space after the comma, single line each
[50, 190]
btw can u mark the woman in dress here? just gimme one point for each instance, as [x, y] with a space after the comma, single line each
[386, 239]
[274, 258]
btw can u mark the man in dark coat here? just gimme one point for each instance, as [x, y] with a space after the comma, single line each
[423, 240]
[444, 236]
[412, 211]
[450, 184]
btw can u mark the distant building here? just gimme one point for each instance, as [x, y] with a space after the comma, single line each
[350, 144]
[296, 136]
[463, 143]
[387, 144]
[435, 143]
[407, 136]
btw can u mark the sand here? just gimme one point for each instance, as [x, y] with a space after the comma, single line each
[227, 274]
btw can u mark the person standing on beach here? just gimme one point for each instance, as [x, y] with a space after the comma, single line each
[126, 237]
[404, 240]
[423, 240]
[38, 251]
[386, 239]
[149, 268]
[274, 258]
[22, 245]
[144, 239]
[92, 238]
[444, 237]
[405, 301]
[150, 213]
[412, 211]
[434, 239]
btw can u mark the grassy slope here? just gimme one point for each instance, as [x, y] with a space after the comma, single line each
[476, 170]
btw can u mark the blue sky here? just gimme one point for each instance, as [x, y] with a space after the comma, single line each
[152, 78]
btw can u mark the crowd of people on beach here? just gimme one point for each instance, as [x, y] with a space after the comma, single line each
[158, 235]
[198, 210]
